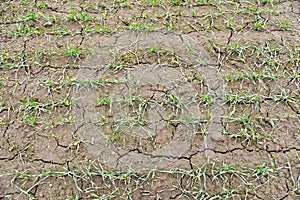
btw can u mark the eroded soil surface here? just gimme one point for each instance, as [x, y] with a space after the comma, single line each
[150, 99]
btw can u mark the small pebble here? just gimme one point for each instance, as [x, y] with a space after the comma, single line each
[48, 24]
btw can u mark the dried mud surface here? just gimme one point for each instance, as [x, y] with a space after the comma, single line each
[149, 99]
[156, 88]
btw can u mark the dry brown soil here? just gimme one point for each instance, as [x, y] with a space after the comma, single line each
[150, 99]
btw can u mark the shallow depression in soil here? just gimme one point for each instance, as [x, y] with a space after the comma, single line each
[137, 104]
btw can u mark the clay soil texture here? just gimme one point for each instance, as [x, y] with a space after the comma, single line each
[150, 99]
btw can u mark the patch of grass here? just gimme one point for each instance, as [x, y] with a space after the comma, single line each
[79, 17]
[243, 99]
[104, 102]
[285, 25]
[205, 99]
[74, 52]
[32, 121]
